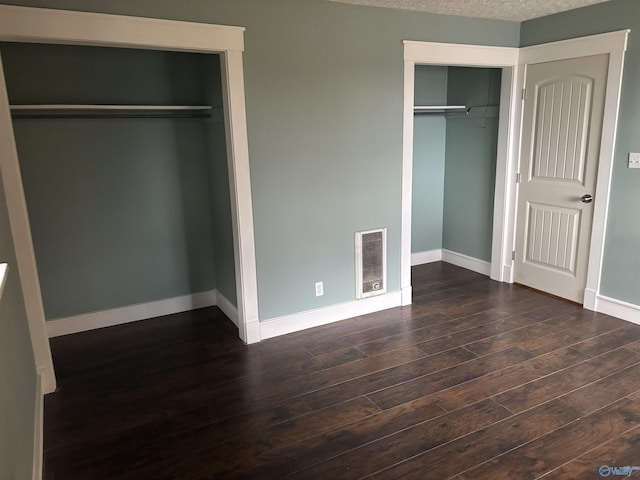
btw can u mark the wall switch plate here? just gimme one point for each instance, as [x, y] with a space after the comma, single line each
[634, 160]
[319, 289]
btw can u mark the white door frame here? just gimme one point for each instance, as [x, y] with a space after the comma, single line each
[428, 53]
[37, 25]
[615, 45]
[513, 62]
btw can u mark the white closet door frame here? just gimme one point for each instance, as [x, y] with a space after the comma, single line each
[445, 54]
[38, 25]
[513, 62]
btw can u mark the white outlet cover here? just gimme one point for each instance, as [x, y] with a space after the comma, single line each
[634, 160]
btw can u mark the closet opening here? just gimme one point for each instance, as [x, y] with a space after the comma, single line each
[123, 158]
[455, 149]
[494, 64]
[69, 28]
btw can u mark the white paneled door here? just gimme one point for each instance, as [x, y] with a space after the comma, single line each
[562, 128]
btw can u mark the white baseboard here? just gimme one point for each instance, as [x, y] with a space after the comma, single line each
[322, 316]
[228, 308]
[618, 308]
[131, 313]
[38, 439]
[464, 261]
[252, 332]
[420, 258]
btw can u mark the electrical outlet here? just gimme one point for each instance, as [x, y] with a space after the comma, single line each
[319, 289]
[634, 160]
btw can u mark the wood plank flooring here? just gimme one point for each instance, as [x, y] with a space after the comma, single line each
[475, 380]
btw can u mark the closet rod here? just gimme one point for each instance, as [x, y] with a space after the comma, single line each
[110, 111]
[23, 115]
[476, 111]
[439, 109]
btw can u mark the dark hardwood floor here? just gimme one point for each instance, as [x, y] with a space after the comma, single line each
[476, 380]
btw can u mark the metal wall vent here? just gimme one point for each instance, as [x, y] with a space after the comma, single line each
[371, 263]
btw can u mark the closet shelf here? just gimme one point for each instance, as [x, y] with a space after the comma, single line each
[113, 111]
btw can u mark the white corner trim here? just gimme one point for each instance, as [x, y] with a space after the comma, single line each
[38, 434]
[430, 256]
[507, 273]
[130, 313]
[590, 301]
[406, 296]
[228, 308]
[618, 308]
[323, 316]
[464, 261]
[252, 332]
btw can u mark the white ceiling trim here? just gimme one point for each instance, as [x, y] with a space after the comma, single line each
[512, 10]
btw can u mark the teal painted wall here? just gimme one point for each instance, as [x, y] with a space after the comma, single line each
[17, 367]
[621, 271]
[429, 136]
[324, 109]
[470, 165]
[120, 208]
[222, 228]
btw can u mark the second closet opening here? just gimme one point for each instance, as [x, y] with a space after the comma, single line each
[454, 164]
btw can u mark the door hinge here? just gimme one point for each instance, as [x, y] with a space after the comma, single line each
[524, 94]
[517, 178]
[513, 255]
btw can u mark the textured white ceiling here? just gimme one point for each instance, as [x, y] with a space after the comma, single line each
[514, 10]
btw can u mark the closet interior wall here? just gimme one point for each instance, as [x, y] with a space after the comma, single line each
[429, 149]
[454, 161]
[122, 210]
